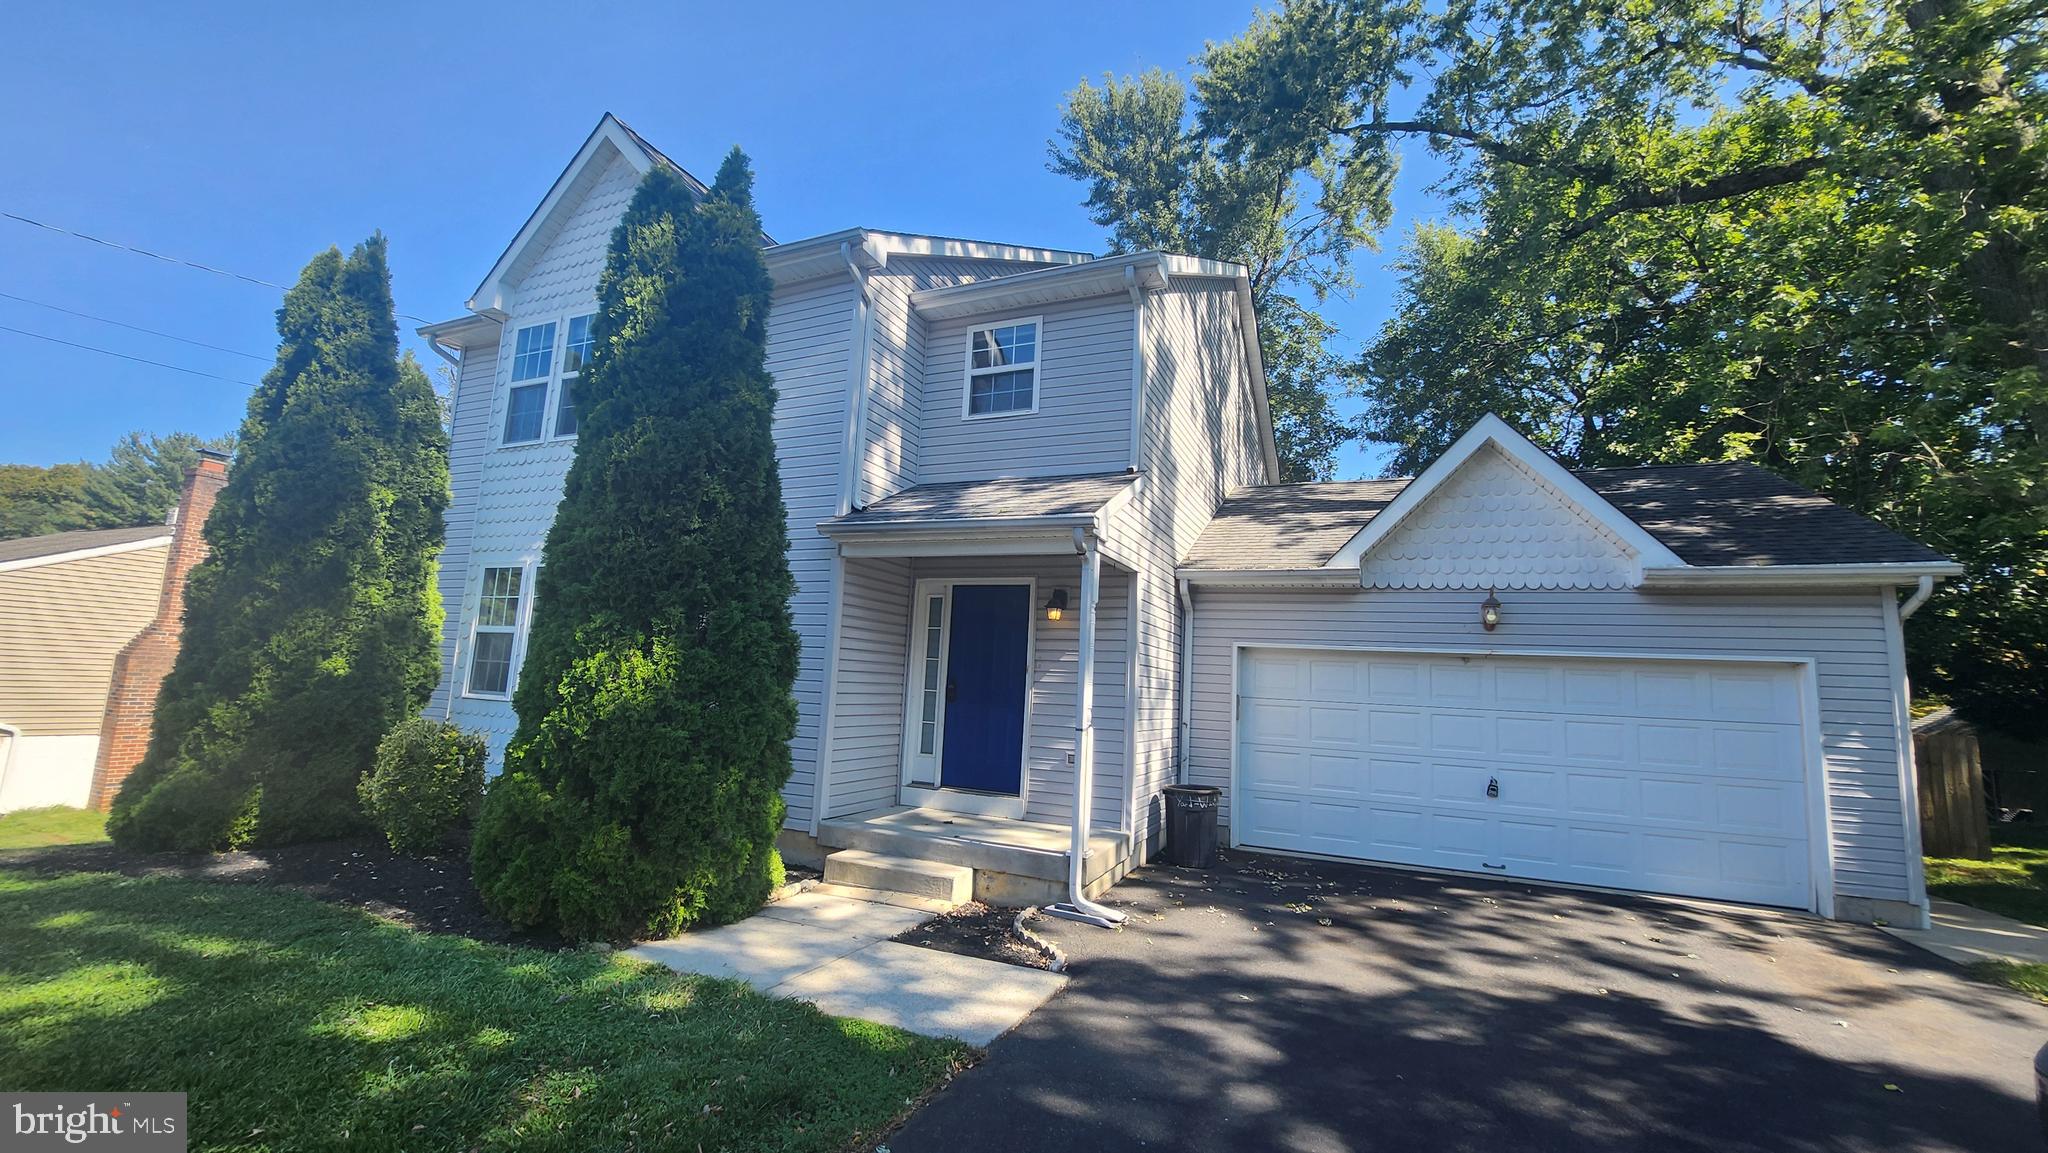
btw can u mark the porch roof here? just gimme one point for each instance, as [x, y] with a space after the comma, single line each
[1004, 514]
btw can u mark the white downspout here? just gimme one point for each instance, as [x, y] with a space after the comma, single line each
[849, 482]
[1077, 906]
[1909, 770]
[1186, 710]
[1918, 598]
[7, 762]
[1137, 291]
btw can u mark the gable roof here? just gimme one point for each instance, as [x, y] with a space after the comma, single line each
[1710, 515]
[58, 546]
[612, 137]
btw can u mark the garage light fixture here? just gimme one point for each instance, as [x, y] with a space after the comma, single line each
[1057, 606]
[1489, 611]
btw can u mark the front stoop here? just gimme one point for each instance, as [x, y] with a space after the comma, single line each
[1012, 863]
[929, 880]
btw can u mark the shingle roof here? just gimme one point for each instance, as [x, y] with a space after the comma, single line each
[1002, 499]
[57, 543]
[1708, 514]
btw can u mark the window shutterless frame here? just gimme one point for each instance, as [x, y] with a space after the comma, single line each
[500, 605]
[540, 408]
[991, 371]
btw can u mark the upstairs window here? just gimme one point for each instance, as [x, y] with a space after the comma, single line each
[575, 354]
[495, 632]
[1002, 369]
[533, 359]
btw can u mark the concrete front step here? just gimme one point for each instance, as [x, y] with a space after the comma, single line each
[933, 905]
[859, 868]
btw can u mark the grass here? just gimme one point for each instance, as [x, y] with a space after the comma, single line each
[2013, 882]
[38, 828]
[2026, 977]
[294, 1025]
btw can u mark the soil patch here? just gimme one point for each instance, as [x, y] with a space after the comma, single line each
[976, 930]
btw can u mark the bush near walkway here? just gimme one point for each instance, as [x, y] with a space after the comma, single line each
[642, 790]
[296, 1025]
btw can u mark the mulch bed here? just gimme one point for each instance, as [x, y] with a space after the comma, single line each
[433, 894]
[975, 930]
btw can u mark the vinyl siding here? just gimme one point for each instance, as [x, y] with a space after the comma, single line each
[1199, 440]
[468, 441]
[1843, 634]
[1083, 422]
[867, 715]
[61, 626]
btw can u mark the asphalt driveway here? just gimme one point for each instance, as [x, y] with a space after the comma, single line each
[1295, 1005]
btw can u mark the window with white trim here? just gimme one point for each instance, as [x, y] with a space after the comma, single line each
[934, 641]
[494, 634]
[576, 352]
[533, 359]
[1002, 369]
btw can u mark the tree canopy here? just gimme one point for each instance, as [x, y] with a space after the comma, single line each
[313, 625]
[138, 485]
[1805, 234]
[641, 793]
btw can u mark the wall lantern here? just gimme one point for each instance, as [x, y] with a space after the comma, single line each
[1489, 611]
[1057, 606]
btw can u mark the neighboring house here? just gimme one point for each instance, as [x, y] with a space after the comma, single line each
[74, 609]
[1022, 483]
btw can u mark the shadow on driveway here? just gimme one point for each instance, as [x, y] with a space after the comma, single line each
[1297, 1005]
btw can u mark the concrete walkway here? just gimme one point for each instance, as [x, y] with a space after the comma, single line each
[1966, 935]
[835, 952]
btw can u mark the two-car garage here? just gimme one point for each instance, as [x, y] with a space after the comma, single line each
[1667, 776]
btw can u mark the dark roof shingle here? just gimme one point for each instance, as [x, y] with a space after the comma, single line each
[57, 543]
[1005, 498]
[1708, 514]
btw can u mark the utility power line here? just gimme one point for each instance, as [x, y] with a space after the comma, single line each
[115, 244]
[125, 356]
[134, 327]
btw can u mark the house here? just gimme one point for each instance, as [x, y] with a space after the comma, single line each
[89, 625]
[1043, 571]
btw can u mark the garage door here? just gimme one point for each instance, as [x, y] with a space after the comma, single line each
[1659, 776]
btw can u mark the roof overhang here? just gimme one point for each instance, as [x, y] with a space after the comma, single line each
[1288, 578]
[461, 332]
[87, 553]
[1062, 535]
[1491, 430]
[819, 256]
[1814, 576]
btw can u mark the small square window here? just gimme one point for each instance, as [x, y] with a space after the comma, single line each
[1002, 369]
[533, 352]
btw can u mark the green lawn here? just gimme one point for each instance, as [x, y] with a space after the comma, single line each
[296, 1025]
[36, 828]
[2013, 882]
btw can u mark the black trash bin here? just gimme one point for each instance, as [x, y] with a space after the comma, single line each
[1191, 824]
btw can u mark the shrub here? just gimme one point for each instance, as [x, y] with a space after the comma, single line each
[641, 792]
[428, 780]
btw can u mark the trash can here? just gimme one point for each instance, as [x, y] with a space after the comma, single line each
[1191, 825]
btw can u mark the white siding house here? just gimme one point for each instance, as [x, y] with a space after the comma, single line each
[1692, 683]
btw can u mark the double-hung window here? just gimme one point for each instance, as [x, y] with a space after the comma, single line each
[533, 360]
[1002, 369]
[495, 634]
[575, 354]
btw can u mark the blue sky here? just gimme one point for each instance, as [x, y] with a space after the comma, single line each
[249, 136]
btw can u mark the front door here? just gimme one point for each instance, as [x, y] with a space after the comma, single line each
[985, 675]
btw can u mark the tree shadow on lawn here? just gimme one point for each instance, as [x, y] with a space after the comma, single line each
[294, 1025]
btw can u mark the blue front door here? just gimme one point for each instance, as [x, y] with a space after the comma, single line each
[984, 744]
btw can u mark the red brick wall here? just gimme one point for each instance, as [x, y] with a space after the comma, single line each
[140, 669]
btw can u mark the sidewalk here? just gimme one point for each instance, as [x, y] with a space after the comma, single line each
[835, 952]
[1967, 935]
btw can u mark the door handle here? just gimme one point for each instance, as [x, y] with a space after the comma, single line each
[952, 690]
[1493, 786]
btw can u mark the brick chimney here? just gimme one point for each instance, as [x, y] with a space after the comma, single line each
[140, 669]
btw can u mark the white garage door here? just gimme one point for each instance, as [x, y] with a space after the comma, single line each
[1661, 776]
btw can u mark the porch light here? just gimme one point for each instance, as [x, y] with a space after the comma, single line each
[1489, 611]
[1057, 606]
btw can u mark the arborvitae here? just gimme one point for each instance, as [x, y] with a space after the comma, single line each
[314, 623]
[641, 793]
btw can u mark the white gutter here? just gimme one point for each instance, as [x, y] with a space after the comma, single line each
[1785, 575]
[1918, 598]
[1077, 906]
[1137, 291]
[849, 480]
[1187, 679]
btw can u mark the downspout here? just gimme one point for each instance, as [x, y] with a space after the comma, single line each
[1185, 709]
[7, 762]
[454, 657]
[1909, 769]
[1137, 291]
[849, 480]
[1077, 906]
[1918, 598]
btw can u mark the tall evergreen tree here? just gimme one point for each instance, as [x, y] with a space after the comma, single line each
[642, 790]
[312, 626]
